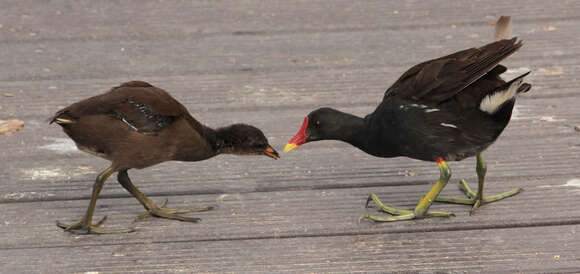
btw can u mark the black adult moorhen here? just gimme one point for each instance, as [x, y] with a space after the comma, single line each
[137, 125]
[445, 109]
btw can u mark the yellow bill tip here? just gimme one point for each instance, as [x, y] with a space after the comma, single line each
[289, 147]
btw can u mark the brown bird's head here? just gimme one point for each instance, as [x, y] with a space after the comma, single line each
[242, 139]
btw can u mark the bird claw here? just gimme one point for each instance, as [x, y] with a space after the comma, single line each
[81, 227]
[474, 199]
[162, 211]
[369, 199]
[399, 214]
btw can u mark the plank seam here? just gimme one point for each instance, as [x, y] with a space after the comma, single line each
[337, 234]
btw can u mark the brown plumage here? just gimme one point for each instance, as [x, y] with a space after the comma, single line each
[137, 125]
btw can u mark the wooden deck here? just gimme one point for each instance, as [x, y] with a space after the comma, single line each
[269, 63]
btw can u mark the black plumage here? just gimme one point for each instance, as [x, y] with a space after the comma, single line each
[447, 108]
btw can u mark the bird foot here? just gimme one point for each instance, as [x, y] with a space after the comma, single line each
[173, 213]
[399, 214]
[475, 199]
[83, 227]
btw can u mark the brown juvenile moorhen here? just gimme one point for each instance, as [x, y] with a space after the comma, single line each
[137, 125]
[441, 110]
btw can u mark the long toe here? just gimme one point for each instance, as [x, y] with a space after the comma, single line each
[68, 227]
[169, 213]
[173, 213]
[398, 214]
[403, 217]
[408, 215]
[475, 200]
[99, 230]
[501, 196]
[191, 209]
[385, 208]
[493, 198]
[81, 228]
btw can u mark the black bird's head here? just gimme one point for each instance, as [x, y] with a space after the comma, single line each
[242, 139]
[323, 124]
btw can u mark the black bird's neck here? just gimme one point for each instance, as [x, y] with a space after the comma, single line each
[367, 134]
[351, 129]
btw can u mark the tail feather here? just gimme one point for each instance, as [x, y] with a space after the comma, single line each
[492, 102]
[525, 87]
[62, 121]
[500, 102]
[61, 117]
[503, 28]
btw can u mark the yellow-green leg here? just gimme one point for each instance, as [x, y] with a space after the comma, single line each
[152, 208]
[477, 199]
[85, 226]
[422, 209]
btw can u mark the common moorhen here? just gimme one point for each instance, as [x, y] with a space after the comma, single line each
[445, 109]
[137, 125]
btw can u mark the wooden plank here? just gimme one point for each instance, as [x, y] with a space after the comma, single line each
[288, 214]
[507, 250]
[245, 62]
[26, 21]
[226, 55]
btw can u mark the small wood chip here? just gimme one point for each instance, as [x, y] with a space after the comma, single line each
[8, 94]
[9, 127]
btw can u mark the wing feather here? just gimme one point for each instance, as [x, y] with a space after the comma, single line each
[143, 107]
[439, 79]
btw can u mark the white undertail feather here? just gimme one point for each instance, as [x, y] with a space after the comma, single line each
[62, 121]
[492, 102]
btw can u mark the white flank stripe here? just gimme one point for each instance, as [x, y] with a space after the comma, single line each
[129, 124]
[417, 106]
[448, 125]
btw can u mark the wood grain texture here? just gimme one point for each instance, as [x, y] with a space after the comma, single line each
[269, 63]
[468, 251]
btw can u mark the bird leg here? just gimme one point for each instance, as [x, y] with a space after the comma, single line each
[477, 199]
[422, 208]
[152, 208]
[85, 226]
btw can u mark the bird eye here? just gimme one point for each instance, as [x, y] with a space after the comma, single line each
[317, 123]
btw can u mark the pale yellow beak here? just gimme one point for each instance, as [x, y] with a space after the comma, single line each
[289, 147]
